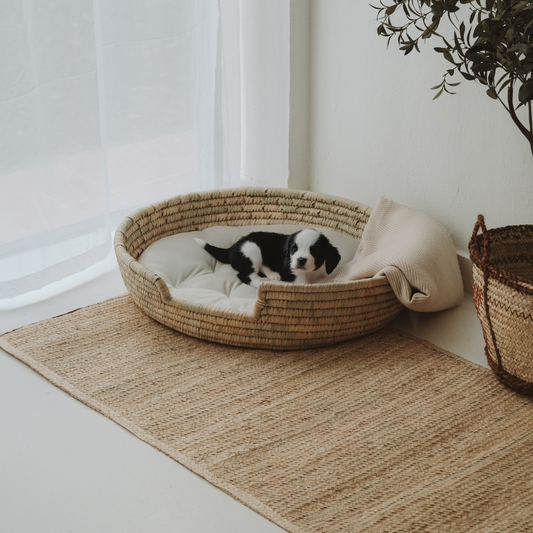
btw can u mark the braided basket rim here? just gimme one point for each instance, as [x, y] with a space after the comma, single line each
[513, 281]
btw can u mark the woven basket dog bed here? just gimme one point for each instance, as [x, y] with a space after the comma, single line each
[502, 262]
[285, 315]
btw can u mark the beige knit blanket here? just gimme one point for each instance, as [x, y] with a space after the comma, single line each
[416, 254]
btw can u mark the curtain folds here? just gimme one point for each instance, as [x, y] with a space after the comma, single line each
[109, 105]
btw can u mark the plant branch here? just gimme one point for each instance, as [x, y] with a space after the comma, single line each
[503, 104]
[527, 133]
[530, 117]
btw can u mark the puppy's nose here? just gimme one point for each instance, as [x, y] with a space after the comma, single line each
[301, 262]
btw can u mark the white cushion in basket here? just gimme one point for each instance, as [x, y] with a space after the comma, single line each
[193, 274]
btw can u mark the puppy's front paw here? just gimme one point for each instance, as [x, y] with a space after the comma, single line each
[271, 274]
[255, 282]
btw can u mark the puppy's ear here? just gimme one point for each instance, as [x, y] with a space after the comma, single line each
[332, 258]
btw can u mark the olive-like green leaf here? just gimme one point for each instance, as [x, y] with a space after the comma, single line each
[468, 76]
[481, 58]
[438, 94]
[448, 57]
[522, 48]
[525, 93]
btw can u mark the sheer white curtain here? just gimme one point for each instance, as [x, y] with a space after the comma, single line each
[106, 105]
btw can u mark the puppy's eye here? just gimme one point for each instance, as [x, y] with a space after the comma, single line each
[294, 248]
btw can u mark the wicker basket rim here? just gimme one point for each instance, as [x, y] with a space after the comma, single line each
[507, 278]
[241, 191]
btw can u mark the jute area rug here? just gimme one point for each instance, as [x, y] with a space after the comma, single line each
[385, 433]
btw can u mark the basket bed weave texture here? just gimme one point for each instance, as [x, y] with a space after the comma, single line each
[502, 262]
[285, 315]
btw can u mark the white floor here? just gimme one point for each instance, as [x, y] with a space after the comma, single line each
[65, 468]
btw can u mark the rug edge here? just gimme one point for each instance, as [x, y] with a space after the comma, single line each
[50, 318]
[240, 496]
[434, 348]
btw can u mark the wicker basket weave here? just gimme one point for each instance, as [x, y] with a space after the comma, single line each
[503, 295]
[285, 316]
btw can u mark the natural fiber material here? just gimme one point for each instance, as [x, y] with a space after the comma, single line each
[502, 262]
[380, 434]
[285, 316]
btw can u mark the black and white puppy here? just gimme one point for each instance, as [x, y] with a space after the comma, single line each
[303, 257]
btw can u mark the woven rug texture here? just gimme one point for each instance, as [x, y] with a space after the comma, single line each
[385, 433]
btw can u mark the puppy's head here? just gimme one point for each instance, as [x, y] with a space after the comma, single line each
[308, 250]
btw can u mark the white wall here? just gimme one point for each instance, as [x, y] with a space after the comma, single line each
[300, 64]
[375, 130]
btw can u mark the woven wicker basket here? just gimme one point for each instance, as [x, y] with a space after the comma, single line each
[285, 316]
[503, 295]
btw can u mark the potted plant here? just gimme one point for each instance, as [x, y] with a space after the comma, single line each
[490, 42]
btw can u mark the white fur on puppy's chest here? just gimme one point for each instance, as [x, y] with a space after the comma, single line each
[311, 276]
